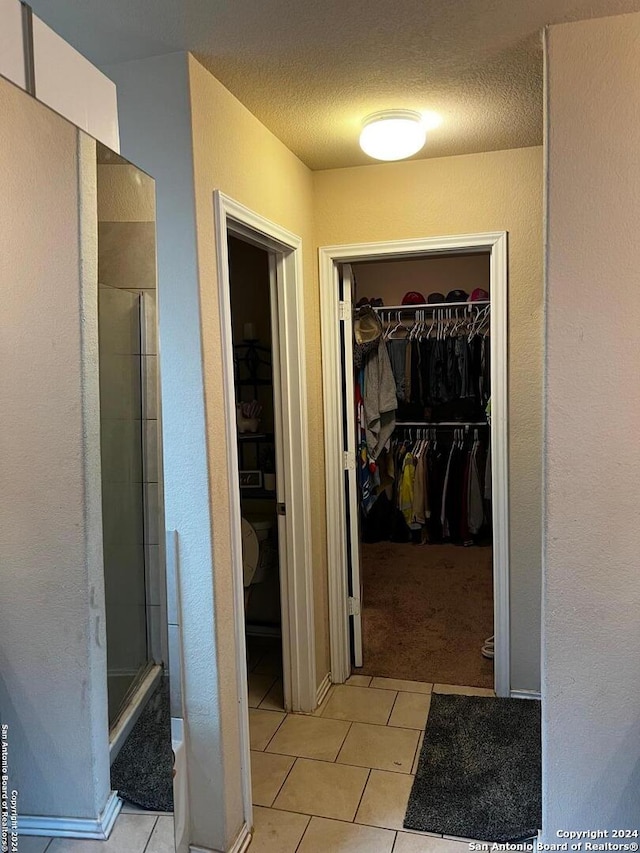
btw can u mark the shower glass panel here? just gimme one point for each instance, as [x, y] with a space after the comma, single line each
[122, 492]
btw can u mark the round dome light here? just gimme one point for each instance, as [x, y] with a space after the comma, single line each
[393, 134]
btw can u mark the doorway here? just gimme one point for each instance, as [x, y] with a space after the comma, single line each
[259, 427]
[343, 506]
[290, 441]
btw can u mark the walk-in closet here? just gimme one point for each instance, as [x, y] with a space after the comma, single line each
[253, 339]
[422, 395]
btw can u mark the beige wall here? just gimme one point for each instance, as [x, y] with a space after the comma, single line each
[53, 688]
[496, 191]
[234, 152]
[591, 600]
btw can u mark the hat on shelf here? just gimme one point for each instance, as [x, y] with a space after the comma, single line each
[457, 296]
[377, 302]
[478, 294]
[432, 298]
[412, 297]
[367, 331]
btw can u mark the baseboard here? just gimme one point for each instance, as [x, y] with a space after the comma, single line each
[525, 694]
[241, 843]
[323, 689]
[243, 840]
[73, 827]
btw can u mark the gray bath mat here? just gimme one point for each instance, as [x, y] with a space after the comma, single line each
[479, 772]
[142, 771]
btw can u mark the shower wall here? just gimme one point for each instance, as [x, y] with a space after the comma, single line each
[127, 260]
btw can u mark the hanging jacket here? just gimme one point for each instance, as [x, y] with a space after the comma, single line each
[475, 504]
[407, 479]
[418, 508]
[380, 401]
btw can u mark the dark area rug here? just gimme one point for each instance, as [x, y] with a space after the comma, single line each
[479, 773]
[142, 772]
[426, 612]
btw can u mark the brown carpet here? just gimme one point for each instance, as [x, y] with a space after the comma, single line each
[427, 610]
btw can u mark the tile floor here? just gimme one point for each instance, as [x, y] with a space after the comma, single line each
[135, 832]
[336, 781]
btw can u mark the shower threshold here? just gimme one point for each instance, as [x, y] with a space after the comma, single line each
[127, 719]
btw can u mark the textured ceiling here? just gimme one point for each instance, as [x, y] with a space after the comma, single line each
[310, 70]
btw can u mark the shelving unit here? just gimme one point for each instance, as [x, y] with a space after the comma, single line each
[431, 306]
[253, 369]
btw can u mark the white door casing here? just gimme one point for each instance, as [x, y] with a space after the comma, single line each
[330, 257]
[351, 469]
[292, 475]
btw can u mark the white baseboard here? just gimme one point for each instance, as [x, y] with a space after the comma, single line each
[241, 843]
[323, 689]
[73, 827]
[525, 694]
[243, 840]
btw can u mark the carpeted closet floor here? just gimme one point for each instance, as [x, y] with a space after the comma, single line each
[427, 610]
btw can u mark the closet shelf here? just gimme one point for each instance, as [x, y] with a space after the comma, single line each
[433, 424]
[255, 436]
[429, 306]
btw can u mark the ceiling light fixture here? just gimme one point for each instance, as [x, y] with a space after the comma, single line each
[393, 134]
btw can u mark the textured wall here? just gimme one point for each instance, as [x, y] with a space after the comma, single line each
[53, 687]
[591, 602]
[235, 153]
[497, 191]
[153, 99]
[125, 193]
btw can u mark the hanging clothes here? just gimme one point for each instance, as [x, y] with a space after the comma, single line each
[436, 488]
[407, 481]
[379, 399]
[475, 505]
[431, 486]
[420, 506]
[397, 355]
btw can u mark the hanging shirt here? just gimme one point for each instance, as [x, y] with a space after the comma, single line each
[365, 480]
[407, 371]
[380, 401]
[407, 479]
[396, 348]
[475, 507]
[445, 491]
[418, 510]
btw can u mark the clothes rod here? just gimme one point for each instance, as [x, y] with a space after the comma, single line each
[435, 424]
[435, 306]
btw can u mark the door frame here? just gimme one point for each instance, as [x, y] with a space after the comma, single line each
[495, 243]
[296, 574]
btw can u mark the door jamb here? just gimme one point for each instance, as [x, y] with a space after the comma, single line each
[296, 581]
[329, 258]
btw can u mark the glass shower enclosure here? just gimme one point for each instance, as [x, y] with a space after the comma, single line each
[121, 421]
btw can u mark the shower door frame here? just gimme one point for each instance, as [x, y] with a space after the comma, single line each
[148, 676]
[120, 720]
